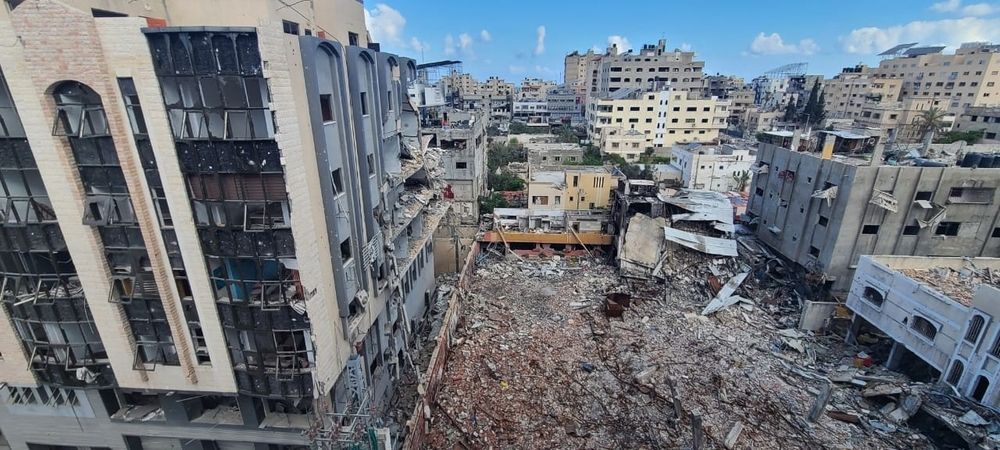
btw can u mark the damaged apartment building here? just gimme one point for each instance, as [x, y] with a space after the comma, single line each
[217, 227]
[940, 315]
[843, 197]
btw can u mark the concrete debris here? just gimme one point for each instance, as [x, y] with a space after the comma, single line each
[959, 285]
[971, 418]
[725, 297]
[704, 244]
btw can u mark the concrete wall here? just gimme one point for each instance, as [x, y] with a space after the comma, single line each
[834, 248]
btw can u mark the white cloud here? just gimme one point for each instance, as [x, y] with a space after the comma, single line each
[485, 36]
[597, 49]
[621, 42]
[516, 69]
[385, 24]
[465, 42]
[979, 9]
[773, 44]
[540, 40]
[955, 6]
[685, 47]
[419, 46]
[949, 32]
[449, 45]
[947, 6]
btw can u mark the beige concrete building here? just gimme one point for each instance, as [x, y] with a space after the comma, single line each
[629, 124]
[896, 120]
[968, 77]
[585, 188]
[533, 90]
[580, 71]
[222, 225]
[652, 64]
[981, 118]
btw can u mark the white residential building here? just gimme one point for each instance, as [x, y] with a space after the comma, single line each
[713, 167]
[940, 311]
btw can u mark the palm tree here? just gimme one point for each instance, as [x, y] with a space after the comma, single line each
[742, 178]
[929, 122]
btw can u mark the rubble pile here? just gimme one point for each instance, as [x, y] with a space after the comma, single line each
[538, 363]
[959, 285]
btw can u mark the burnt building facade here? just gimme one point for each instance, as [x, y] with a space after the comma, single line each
[217, 227]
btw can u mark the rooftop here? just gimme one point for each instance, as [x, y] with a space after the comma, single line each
[956, 277]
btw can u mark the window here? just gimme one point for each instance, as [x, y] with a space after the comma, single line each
[345, 249]
[995, 348]
[823, 221]
[326, 107]
[338, 181]
[364, 103]
[996, 233]
[873, 296]
[947, 229]
[971, 195]
[869, 229]
[955, 375]
[911, 230]
[975, 329]
[290, 27]
[461, 165]
[923, 327]
[923, 195]
[813, 251]
[352, 39]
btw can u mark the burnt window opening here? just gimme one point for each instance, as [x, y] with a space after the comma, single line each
[326, 107]
[870, 229]
[823, 221]
[911, 230]
[873, 296]
[345, 249]
[924, 195]
[947, 229]
[338, 181]
[974, 195]
[923, 327]
[109, 207]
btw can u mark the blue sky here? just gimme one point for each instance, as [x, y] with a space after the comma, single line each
[530, 38]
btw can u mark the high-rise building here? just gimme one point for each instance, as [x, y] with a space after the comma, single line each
[217, 229]
[653, 64]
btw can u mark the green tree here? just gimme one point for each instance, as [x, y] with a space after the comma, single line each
[930, 121]
[819, 114]
[742, 179]
[970, 137]
[790, 112]
[505, 181]
[814, 113]
[488, 203]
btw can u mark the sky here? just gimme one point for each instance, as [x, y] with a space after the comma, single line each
[517, 39]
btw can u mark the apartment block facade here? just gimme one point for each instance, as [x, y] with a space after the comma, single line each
[631, 122]
[825, 213]
[981, 118]
[652, 64]
[970, 76]
[719, 168]
[209, 241]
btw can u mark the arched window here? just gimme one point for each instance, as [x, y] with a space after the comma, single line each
[955, 375]
[924, 327]
[79, 112]
[975, 328]
[873, 296]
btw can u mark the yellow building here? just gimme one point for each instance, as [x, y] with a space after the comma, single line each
[589, 188]
[628, 124]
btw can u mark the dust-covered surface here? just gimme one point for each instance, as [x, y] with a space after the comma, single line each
[538, 364]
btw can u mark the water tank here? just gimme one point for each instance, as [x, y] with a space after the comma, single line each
[971, 160]
[986, 160]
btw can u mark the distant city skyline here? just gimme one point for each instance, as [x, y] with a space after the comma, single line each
[530, 39]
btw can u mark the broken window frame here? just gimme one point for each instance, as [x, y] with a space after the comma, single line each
[975, 328]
